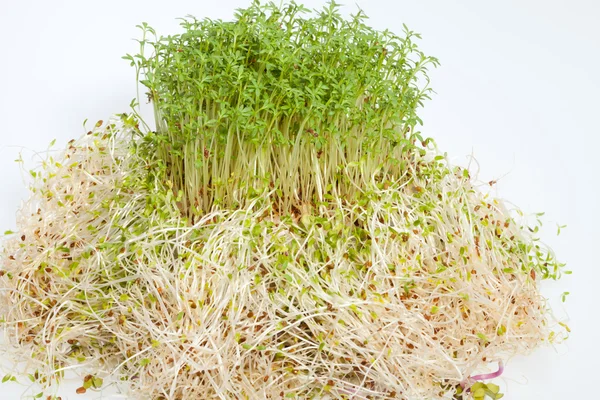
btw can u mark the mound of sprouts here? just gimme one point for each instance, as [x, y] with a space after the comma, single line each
[286, 232]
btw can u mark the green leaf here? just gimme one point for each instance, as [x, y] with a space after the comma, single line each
[482, 337]
[144, 362]
[565, 326]
[501, 330]
[493, 388]
[97, 382]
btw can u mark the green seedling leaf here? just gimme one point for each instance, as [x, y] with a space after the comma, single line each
[482, 337]
[97, 382]
[493, 388]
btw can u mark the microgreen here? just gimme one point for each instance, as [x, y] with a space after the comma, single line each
[283, 98]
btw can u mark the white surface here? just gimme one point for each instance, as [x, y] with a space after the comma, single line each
[519, 87]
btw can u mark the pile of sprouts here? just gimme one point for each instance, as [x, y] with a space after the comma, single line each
[284, 232]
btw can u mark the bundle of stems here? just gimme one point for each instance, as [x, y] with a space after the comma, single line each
[276, 99]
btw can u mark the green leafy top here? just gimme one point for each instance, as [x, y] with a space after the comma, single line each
[241, 97]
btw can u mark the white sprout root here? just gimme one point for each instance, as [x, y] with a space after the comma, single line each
[400, 293]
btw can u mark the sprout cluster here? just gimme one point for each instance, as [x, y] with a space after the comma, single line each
[278, 99]
[284, 233]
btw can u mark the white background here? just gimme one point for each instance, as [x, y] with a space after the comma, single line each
[518, 87]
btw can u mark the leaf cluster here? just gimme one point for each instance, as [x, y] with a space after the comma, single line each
[278, 93]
